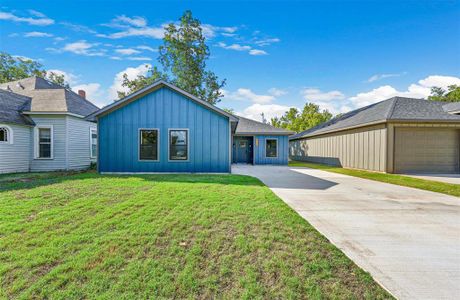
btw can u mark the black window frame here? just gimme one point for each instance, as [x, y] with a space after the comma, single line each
[170, 145]
[266, 148]
[140, 144]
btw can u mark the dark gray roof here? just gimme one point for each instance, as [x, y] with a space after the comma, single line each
[452, 107]
[50, 97]
[248, 126]
[393, 109]
[11, 105]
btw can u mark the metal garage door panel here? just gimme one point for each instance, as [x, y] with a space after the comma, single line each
[427, 150]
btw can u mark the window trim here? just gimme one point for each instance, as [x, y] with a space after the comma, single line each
[37, 142]
[91, 154]
[139, 136]
[188, 145]
[271, 139]
[9, 135]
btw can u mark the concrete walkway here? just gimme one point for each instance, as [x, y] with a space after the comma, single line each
[407, 239]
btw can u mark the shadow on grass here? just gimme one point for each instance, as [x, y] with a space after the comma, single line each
[43, 179]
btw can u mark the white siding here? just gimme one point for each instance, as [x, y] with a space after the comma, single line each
[59, 160]
[363, 148]
[78, 137]
[15, 157]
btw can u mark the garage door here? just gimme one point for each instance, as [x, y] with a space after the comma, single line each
[435, 150]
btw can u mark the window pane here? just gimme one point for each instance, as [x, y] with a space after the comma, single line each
[93, 143]
[271, 148]
[44, 135]
[45, 150]
[3, 135]
[148, 149]
[178, 145]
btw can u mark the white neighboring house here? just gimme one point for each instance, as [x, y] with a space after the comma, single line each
[43, 127]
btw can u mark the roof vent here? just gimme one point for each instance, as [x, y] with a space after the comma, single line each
[82, 94]
[19, 85]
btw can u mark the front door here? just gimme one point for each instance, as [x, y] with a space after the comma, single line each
[242, 150]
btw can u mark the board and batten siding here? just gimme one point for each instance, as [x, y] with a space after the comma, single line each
[14, 157]
[260, 157]
[163, 109]
[361, 148]
[78, 139]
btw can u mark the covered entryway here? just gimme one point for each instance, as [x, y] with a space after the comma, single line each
[243, 149]
[427, 150]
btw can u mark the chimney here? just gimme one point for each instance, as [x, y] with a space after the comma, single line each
[82, 93]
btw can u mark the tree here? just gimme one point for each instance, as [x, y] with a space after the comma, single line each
[229, 110]
[451, 95]
[15, 68]
[294, 120]
[183, 58]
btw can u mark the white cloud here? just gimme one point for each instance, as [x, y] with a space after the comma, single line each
[269, 110]
[266, 42]
[145, 58]
[81, 48]
[69, 77]
[277, 92]
[94, 93]
[247, 94]
[151, 32]
[313, 94]
[37, 34]
[238, 47]
[147, 48]
[78, 28]
[121, 21]
[40, 19]
[334, 107]
[132, 74]
[210, 31]
[127, 51]
[421, 89]
[383, 76]
[257, 52]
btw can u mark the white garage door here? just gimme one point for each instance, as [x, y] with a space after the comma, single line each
[423, 149]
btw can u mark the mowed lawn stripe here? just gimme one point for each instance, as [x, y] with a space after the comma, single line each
[68, 236]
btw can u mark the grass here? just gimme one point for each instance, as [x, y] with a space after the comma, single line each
[429, 185]
[77, 236]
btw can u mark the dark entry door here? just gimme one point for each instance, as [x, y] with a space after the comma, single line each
[242, 150]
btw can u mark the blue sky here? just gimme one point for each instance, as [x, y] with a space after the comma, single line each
[274, 55]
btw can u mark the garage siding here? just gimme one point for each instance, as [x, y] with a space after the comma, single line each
[363, 148]
[424, 149]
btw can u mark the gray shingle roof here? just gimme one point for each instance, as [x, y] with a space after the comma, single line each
[50, 97]
[452, 107]
[393, 109]
[248, 126]
[11, 105]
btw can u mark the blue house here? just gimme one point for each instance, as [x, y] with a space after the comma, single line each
[162, 128]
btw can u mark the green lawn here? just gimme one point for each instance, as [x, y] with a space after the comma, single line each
[429, 185]
[77, 236]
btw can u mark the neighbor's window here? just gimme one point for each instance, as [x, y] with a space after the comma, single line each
[4, 135]
[45, 141]
[148, 148]
[93, 142]
[178, 144]
[271, 148]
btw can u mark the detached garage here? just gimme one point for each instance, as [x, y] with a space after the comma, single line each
[398, 135]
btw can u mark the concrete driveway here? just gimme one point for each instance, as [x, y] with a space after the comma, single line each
[407, 239]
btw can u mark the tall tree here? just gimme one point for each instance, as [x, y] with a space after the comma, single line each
[183, 58]
[15, 68]
[294, 120]
[452, 94]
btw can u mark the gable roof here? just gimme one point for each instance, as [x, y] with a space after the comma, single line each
[11, 105]
[49, 97]
[393, 109]
[249, 127]
[452, 107]
[150, 88]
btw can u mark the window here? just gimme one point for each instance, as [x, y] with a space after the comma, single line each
[271, 148]
[45, 142]
[178, 144]
[5, 135]
[93, 142]
[148, 144]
